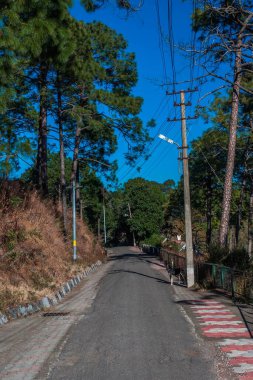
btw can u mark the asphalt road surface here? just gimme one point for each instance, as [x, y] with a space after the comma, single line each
[123, 322]
[133, 330]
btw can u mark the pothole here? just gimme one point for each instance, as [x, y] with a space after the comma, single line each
[56, 314]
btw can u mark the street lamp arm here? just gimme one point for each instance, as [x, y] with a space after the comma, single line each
[170, 141]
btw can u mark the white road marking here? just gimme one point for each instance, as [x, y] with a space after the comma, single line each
[207, 307]
[212, 311]
[204, 301]
[243, 368]
[207, 323]
[236, 353]
[238, 342]
[227, 330]
[216, 316]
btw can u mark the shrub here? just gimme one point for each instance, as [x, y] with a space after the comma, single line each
[155, 240]
[13, 236]
[217, 254]
[237, 258]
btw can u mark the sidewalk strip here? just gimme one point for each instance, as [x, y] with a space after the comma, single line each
[221, 323]
[215, 317]
[242, 368]
[206, 311]
[216, 321]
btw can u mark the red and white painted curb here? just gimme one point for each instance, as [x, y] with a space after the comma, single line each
[218, 322]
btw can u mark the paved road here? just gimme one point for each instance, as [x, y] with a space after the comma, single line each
[134, 330]
[122, 323]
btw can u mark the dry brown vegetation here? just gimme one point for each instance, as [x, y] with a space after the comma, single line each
[35, 259]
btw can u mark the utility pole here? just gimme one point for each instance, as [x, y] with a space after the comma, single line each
[130, 214]
[187, 198]
[74, 218]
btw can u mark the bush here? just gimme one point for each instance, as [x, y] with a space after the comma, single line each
[155, 240]
[217, 254]
[13, 236]
[237, 258]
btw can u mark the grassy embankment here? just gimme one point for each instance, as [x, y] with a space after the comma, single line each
[34, 258]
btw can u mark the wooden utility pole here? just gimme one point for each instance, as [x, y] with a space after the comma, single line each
[187, 198]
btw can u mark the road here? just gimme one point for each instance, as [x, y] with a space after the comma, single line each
[123, 323]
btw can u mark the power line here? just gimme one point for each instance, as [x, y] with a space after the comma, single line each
[161, 39]
[171, 43]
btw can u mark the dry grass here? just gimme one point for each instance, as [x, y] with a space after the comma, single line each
[34, 258]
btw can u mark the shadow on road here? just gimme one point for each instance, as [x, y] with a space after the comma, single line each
[137, 257]
[123, 256]
[116, 271]
[246, 311]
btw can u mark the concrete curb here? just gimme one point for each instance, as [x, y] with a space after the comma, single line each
[46, 302]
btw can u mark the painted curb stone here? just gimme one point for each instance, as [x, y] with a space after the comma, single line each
[47, 302]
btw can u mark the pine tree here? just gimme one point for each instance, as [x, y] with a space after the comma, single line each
[227, 27]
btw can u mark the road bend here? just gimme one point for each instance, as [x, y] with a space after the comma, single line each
[122, 324]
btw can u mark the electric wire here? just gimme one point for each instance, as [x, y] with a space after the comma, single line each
[161, 40]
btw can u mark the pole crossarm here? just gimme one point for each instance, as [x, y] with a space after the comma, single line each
[188, 104]
[179, 92]
[183, 118]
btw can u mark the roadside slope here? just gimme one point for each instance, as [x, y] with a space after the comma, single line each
[35, 260]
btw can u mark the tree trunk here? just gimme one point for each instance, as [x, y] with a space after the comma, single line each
[209, 209]
[42, 138]
[231, 239]
[227, 194]
[62, 158]
[239, 212]
[242, 193]
[250, 222]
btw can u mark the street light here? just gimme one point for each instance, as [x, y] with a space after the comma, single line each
[170, 141]
[187, 209]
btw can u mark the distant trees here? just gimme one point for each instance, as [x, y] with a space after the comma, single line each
[146, 200]
[136, 211]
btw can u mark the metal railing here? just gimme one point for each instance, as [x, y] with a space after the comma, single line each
[149, 249]
[173, 260]
[239, 284]
[174, 263]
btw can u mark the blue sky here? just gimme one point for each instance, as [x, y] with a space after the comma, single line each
[142, 33]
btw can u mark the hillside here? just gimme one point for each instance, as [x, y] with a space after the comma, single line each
[34, 258]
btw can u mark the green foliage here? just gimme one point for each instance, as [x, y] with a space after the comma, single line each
[237, 258]
[93, 5]
[155, 240]
[146, 201]
[16, 201]
[217, 254]
[12, 237]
